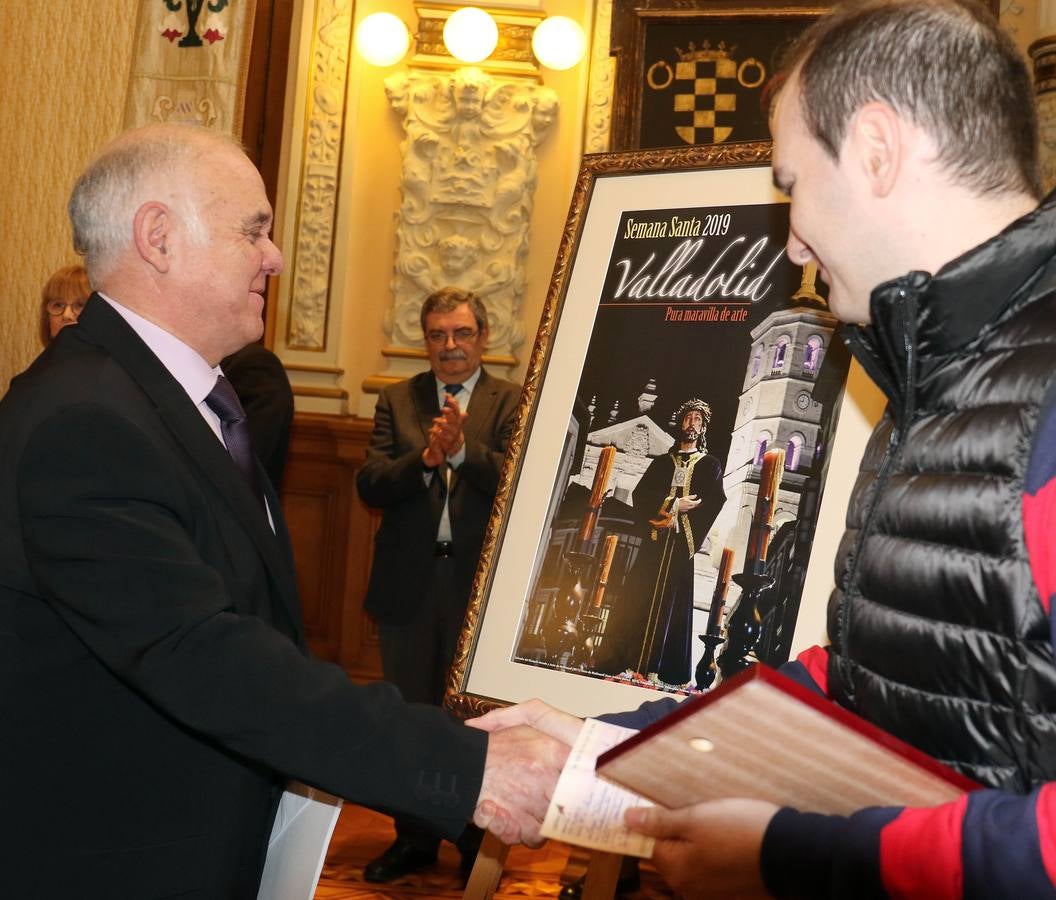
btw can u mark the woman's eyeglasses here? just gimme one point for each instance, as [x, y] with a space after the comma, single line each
[57, 307]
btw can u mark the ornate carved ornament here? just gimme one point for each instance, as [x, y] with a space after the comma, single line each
[467, 186]
[511, 56]
[317, 185]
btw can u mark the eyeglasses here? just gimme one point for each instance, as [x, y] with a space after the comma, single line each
[57, 308]
[459, 336]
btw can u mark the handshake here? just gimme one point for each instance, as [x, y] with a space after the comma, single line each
[709, 849]
[527, 748]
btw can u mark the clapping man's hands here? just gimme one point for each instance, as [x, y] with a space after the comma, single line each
[445, 436]
[448, 426]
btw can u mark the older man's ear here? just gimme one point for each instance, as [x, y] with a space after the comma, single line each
[150, 234]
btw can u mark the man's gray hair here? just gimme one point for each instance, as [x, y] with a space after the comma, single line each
[945, 65]
[117, 182]
[448, 299]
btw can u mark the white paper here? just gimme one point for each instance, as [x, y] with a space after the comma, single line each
[300, 836]
[587, 811]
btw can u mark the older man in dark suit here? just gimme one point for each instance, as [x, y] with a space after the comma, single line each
[155, 690]
[433, 465]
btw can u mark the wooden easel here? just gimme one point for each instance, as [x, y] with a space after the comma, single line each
[603, 871]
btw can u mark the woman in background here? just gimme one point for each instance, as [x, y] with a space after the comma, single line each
[61, 300]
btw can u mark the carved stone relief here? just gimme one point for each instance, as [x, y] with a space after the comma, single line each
[467, 185]
[602, 78]
[317, 194]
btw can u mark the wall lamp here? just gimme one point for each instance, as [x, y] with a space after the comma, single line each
[473, 35]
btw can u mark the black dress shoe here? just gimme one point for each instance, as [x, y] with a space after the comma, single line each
[627, 884]
[400, 859]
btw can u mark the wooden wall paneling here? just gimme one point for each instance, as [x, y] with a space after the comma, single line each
[264, 106]
[333, 538]
[262, 116]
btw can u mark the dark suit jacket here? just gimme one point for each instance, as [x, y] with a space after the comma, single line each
[154, 688]
[264, 390]
[392, 479]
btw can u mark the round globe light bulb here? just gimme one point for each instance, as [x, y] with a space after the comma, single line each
[559, 42]
[382, 39]
[470, 34]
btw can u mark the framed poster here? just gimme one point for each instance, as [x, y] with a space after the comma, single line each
[655, 518]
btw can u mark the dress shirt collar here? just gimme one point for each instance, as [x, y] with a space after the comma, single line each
[467, 388]
[184, 363]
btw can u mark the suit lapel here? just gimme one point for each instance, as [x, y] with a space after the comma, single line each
[426, 408]
[103, 326]
[480, 405]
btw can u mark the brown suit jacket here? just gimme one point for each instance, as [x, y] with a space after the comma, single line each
[392, 479]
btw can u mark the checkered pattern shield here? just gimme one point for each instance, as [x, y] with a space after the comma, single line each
[705, 100]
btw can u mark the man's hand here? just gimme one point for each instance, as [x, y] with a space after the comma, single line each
[539, 715]
[681, 505]
[447, 427]
[685, 504]
[709, 849]
[433, 455]
[520, 773]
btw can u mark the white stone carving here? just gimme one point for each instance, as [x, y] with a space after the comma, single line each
[317, 194]
[467, 185]
[602, 82]
[186, 108]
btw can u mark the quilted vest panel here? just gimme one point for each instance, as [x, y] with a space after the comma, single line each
[938, 632]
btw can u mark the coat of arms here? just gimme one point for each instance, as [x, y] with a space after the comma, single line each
[705, 81]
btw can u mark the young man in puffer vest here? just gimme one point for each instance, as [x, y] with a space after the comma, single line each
[905, 137]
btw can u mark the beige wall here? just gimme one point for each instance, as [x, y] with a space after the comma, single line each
[63, 74]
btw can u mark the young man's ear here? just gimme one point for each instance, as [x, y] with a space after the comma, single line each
[875, 137]
[150, 233]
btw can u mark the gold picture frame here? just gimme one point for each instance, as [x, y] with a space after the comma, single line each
[620, 205]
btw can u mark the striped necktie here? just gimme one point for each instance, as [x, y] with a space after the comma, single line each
[223, 401]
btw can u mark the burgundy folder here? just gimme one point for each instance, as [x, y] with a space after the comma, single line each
[761, 735]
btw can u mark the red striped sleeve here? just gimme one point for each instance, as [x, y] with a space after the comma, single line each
[920, 853]
[816, 661]
[1046, 815]
[1039, 525]
[1039, 504]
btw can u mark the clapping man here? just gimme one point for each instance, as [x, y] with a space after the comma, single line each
[433, 468]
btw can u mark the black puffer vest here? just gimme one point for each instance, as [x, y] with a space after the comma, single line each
[938, 633]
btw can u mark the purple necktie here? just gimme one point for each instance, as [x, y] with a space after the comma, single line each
[223, 401]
